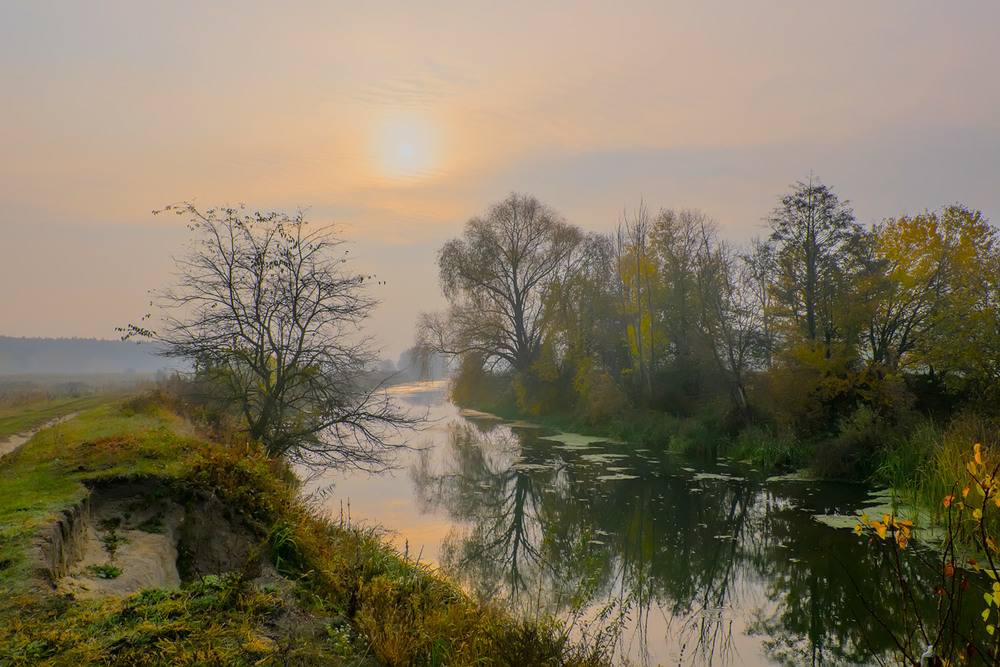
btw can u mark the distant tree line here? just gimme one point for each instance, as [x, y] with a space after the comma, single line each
[816, 318]
[21, 356]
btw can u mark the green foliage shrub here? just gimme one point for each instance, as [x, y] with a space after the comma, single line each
[473, 386]
[853, 452]
[602, 400]
[698, 436]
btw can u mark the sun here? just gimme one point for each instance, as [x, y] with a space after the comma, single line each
[407, 146]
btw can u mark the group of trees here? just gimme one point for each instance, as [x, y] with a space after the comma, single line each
[810, 320]
[817, 316]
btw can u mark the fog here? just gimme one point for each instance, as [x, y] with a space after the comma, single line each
[399, 123]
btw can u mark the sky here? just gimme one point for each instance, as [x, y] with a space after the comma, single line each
[396, 122]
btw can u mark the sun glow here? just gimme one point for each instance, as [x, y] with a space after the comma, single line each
[407, 147]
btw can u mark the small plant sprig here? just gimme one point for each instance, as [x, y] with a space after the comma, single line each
[972, 516]
[106, 571]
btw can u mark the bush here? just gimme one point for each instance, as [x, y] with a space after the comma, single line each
[854, 451]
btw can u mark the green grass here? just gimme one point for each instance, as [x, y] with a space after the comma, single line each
[45, 476]
[350, 598]
[20, 418]
[767, 449]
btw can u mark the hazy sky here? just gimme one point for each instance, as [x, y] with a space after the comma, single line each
[398, 121]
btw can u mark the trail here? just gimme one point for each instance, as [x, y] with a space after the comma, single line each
[12, 442]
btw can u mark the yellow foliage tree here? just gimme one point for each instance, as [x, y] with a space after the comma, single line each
[937, 276]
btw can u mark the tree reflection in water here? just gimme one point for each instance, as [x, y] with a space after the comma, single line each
[673, 564]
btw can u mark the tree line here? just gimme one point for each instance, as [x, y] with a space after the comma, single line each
[815, 319]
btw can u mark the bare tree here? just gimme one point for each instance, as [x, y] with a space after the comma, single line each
[268, 313]
[495, 277]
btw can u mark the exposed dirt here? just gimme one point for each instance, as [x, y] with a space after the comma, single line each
[134, 534]
[11, 442]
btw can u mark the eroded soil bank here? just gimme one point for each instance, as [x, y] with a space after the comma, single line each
[127, 535]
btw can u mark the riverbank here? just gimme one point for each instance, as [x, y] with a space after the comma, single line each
[922, 458]
[88, 502]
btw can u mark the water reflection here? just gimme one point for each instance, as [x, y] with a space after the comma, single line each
[678, 565]
[675, 562]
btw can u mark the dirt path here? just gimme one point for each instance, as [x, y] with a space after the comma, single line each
[14, 441]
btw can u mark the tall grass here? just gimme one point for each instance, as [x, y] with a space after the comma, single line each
[769, 448]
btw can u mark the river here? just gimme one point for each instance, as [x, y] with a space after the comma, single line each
[681, 562]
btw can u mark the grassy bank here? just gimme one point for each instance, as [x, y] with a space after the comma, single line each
[28, 413]
[345, 597]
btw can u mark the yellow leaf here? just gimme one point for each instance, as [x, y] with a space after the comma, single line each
[977, 514]
[879, 528]
[858, 529]
[979, 454]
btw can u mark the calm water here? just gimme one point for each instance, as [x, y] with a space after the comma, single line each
[684, 563]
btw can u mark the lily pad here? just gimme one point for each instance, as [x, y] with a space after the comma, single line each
[601, 458]
[523, 424]
[803, 475]
[532, 466]
[574, 439]
[715, 475]
[839, 520]
[476, 414]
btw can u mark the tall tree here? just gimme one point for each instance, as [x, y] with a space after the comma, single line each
[683, 242]
[730, 317]
[582, 344]
[961, 334]
[934, 266]
[496, 277]
[636, 269]
[757, 267]
[270, 317]
[817, 249]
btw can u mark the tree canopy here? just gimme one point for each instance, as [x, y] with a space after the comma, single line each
[271, 317]
[803, 328]
[496, 277]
